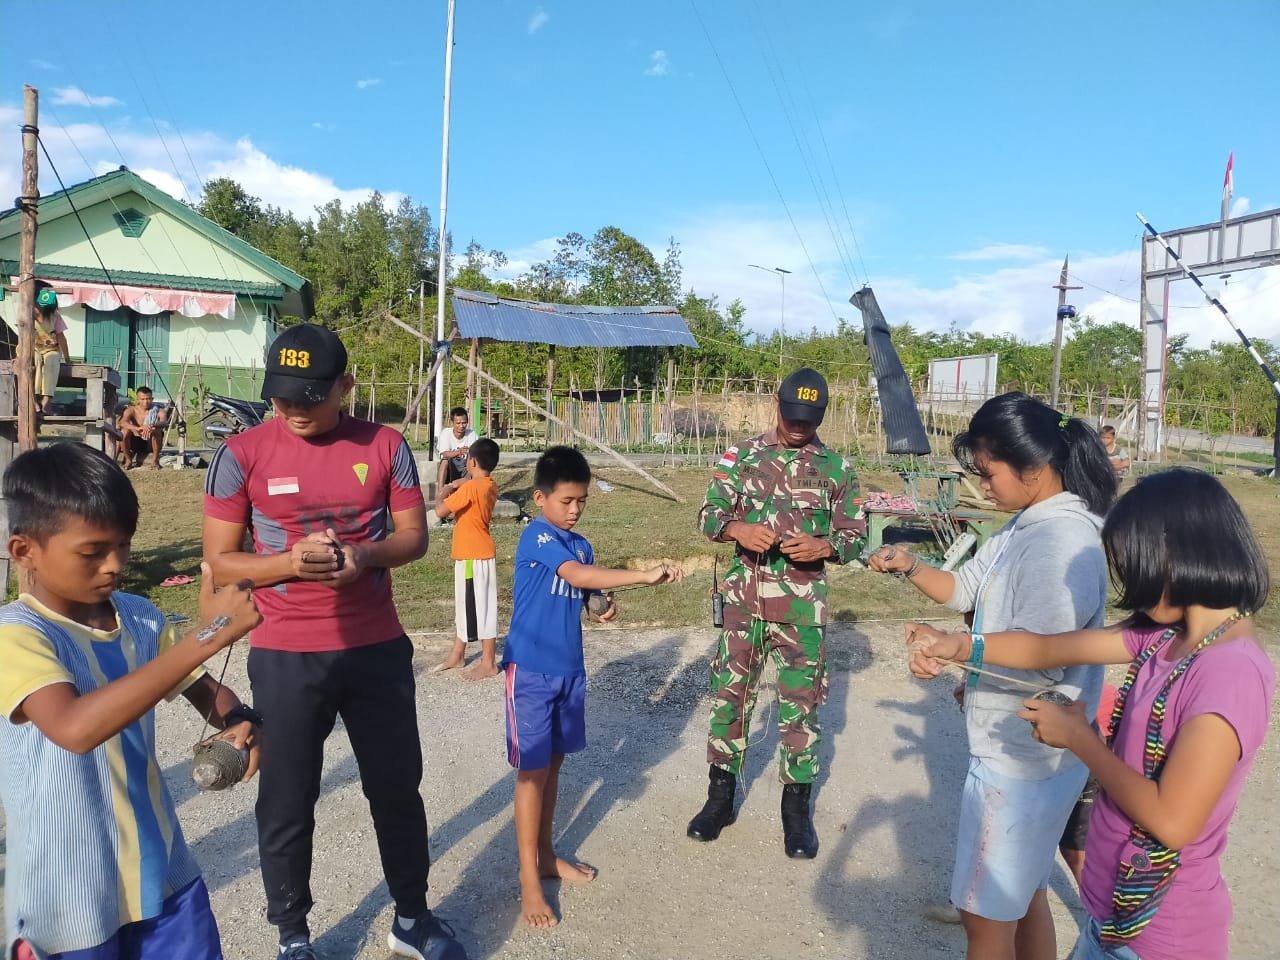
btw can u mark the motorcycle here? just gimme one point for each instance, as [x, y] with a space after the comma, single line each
[226, 416]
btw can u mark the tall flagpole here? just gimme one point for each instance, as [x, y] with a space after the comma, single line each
[442, 275]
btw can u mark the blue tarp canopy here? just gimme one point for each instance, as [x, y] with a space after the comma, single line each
[487, 317]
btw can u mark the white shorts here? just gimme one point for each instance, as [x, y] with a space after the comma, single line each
[475, 599]
[1009, 832]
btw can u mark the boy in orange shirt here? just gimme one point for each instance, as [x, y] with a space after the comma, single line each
[475, 585]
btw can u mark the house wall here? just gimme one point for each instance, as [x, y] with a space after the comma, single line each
[242, 341]
[166, 246]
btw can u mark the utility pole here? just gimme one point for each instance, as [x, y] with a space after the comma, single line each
[1064, 311]
[422, 329]
[442, 276]
[781, 274]
[27, 270]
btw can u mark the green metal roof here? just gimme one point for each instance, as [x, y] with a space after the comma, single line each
[135, 278]
[123, 180]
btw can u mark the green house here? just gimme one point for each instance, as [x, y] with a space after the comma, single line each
[177, 292]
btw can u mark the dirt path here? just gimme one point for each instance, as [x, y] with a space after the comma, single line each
[894, 753]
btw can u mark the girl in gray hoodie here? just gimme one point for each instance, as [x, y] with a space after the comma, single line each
[1043, 572]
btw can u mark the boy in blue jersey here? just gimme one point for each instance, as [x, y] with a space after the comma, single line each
[97, 868]
[544, 667]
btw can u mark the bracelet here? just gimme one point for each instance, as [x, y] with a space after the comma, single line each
[241, 713]
[913, 569]
[206, 634]
[977, 644]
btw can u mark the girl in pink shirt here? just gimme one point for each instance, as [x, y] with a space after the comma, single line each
[1189, 719]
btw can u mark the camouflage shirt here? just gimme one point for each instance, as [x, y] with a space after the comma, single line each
[807, 490]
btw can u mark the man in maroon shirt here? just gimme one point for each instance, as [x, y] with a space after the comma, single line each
[333, 503]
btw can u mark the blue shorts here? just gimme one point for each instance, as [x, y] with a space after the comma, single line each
[546, 714]
[185, 928]
[1091, 947]
[1008, 841]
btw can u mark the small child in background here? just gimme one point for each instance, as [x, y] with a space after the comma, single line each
[545, 670]
[97, 868]
[1188, 722]
[475, 584]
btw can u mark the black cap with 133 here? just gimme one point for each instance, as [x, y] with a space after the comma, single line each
[803, 396]
[303, 364]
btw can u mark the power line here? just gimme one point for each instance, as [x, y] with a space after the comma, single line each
[763, 158]
[804, 149]
[105, 271]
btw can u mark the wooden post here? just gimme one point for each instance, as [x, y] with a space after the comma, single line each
[355, 369]
[30, 198]
[552, 418]
[471, 377]
[551, 379]
[697, 419]
[8, 448]
[373, 393]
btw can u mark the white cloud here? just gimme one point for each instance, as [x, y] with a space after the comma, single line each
[42, 64]
[367, 83]
[1239, 206]
[538, 20]
[1003, 251]
[716, 247]
[280, 184]
[75, 97]
[659, 64]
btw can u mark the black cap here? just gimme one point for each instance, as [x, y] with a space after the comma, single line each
[303, 364]
[803, 396]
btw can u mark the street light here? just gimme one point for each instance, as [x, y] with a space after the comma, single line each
[782, 311]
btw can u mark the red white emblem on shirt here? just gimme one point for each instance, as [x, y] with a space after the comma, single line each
[727, 461]
[280, 485]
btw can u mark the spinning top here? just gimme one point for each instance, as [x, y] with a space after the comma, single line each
[598, 604]
[1054, 696]
[218, 764]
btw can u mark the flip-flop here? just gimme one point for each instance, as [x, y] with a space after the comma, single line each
[175, 581]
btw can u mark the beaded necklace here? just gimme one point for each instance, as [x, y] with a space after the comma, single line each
[1143, 881]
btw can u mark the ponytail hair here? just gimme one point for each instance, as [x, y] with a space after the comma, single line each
[1026, 434]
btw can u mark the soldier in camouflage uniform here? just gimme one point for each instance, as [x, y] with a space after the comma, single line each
[787, 504]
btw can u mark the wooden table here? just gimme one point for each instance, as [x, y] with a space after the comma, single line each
[981, 525]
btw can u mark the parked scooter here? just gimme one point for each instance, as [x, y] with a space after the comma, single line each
[226, 416]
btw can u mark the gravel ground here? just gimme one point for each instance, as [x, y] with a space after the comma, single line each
[894, 757]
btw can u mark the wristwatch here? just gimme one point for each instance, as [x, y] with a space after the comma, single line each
[240, 713]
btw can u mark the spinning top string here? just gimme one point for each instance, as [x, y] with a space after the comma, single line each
[217, 690]
[1038, 687]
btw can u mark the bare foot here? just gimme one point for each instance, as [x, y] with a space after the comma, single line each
[534, 906]
[448, 663]
[481, 671]
[559, 868]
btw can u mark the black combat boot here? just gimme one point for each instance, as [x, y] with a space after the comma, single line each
[717, 813]
[799, 838]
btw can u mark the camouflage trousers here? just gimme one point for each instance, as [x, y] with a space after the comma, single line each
[800, 655]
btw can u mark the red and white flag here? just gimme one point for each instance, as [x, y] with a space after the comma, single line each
[1227, 185]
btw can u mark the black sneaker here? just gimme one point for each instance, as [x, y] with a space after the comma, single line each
[427, 939]
[297, 950]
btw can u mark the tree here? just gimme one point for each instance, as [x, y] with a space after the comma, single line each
[227, 204]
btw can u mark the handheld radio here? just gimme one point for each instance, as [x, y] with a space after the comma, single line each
[717, 598]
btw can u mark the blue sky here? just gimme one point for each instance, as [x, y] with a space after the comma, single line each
[964, 147]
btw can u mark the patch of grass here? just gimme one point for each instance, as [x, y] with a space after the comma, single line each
[633, 525]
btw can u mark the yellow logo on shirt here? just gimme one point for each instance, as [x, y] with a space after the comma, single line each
[362, 472]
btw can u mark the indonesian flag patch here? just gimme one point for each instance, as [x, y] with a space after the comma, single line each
[726, 463]
[281, 485]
